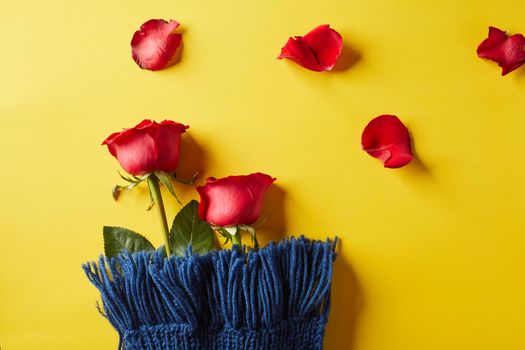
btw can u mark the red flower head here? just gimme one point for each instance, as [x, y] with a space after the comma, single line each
[507, 52]
[233, 200]
[318, 50]
[155, 45]
[147, 147]
[387, 139]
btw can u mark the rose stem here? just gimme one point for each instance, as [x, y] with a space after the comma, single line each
[236, 238]
[153, 183]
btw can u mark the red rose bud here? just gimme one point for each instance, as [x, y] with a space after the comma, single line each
[147, 147]
[155, 45]
[507, 52]
[318, 50]
[233, 200]
[387, 139]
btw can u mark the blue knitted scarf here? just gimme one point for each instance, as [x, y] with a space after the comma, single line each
[275, 298]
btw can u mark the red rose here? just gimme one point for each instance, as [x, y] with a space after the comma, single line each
[155, 45]
[233, 200]
[387, 138]
[318, 50]
[147, 147]
[507, 52]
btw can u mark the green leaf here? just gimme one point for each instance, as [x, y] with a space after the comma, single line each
[188, 229]
[116, 239]
[125, 178]
[166, 181]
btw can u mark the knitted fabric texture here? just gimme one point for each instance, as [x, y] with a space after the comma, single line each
[275, 298]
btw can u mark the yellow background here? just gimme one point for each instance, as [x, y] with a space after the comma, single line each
[431, 254]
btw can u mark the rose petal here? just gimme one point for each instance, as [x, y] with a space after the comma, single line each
[326, 44]
[388, 139]
[301, 54]
[507, 52]
[257, 184]
[227, 201]
[155, 46]
[318, 50]
[147, 147]
[116, 135]
[167, 144]
[135, 151]
[233, 200]
[146, 123]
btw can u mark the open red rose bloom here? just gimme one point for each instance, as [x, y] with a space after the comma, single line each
[233, 200]
[388, 139]
[318, 50]
[155, 45]
[147, 147]
[507, 52]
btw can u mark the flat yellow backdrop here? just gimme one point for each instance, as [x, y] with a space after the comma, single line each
[431, 255]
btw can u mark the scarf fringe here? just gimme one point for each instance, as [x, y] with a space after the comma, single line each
[235, 289]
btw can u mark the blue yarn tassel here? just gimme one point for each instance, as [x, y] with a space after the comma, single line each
[275, 298]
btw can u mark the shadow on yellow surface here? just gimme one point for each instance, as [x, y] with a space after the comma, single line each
[346, 305]
[349, 57]
[275, 225]
[193, 160]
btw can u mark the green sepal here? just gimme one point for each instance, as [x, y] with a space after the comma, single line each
[165, 178]
[116, 239]
[184, 181]
[251, 231]
[115, 192]
[223, 233]
[128, 179]
[188, 228]
[151, 198]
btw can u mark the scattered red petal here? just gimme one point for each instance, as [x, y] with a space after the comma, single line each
[507, 52]
[155, 45]
[387, 138]
[318, 50]
[300, 54]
